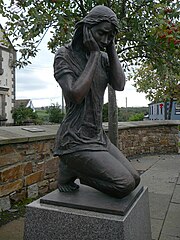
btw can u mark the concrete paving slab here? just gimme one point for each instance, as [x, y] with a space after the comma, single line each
[172, 222]
[143, 164]
[168, 163]
[13, 230]
[158, 204]
[176, 196]
[168, 176]
[162, 176]
[178, 182]
[157, 185]
[156, 225]
[168, 237]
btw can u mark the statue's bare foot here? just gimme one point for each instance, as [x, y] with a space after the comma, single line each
[70, 187]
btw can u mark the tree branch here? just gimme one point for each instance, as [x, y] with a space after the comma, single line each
[123, 8]
[138, 56]
[137, 46]
[138, 8]
[39, 42]
[109, 4]
[81, 6]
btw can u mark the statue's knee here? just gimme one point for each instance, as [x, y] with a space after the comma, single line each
[123, 189]
[126, 186]
[137, 179]
[130, 184]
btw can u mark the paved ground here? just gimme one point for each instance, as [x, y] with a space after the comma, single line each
[162, 176]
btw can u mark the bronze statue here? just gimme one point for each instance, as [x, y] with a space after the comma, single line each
[83, 69]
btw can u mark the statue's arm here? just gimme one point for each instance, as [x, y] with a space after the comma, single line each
[116, 73]
[77, 89]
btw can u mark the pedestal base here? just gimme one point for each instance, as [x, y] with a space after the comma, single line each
[91, 216]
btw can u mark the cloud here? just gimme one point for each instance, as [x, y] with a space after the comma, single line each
[30, 81]
[133, 98]
[36, 81]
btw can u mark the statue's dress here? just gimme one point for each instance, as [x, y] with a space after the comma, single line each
[82, 126]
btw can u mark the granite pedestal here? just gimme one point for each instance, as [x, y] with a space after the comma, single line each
[89, 215]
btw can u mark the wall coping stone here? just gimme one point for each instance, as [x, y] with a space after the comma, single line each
[16, 134]
[146, 123]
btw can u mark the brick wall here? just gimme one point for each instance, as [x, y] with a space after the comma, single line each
[28, 169]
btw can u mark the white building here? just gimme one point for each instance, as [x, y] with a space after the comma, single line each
[7, 80]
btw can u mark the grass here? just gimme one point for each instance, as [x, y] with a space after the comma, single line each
[18, 210]
[43, 115]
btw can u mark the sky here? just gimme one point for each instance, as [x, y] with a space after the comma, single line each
[36, 82]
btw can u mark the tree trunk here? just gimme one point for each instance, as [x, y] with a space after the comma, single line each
[170, 108]
[112, 116]
[63, 109]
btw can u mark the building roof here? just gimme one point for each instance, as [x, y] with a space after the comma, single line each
[20, 102]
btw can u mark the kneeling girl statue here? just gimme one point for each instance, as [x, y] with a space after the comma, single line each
[83, 69]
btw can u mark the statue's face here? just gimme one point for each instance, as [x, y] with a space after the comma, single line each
[103, 34]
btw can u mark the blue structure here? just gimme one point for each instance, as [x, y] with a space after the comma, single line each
[157, 111]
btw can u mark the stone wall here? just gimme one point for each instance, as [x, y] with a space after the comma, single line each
[148, 140]
[28, 168]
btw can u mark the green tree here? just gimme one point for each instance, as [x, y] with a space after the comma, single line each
[55, 114]
[126, 113]
[23, 115]
[141, 25]
[137, 117]
[164, 87]
[160, 78]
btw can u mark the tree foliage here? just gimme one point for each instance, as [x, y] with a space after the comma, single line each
[137, 117]
[160, 79]
[141, 25]
[158, 87]
[23, 115]
[126, 114]
[55, 113]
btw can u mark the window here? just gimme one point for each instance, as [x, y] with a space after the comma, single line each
[1, 60]
[157, 109]
[10, 60]
[177, 109]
